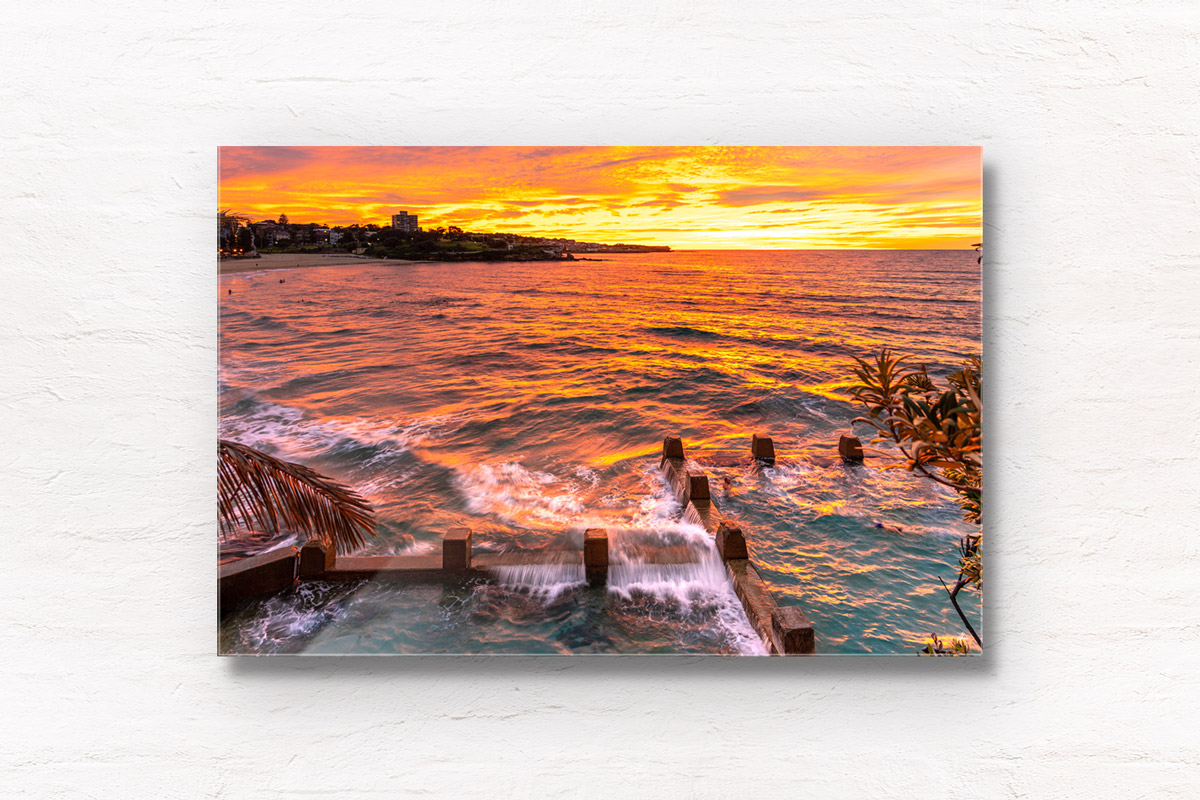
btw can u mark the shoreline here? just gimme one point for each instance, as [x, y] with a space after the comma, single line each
[302, 261]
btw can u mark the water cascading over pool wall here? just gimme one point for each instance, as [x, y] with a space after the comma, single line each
[784, 630]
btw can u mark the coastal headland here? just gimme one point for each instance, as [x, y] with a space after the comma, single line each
[404, 240]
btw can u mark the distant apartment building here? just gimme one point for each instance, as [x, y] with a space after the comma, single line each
[405, 221]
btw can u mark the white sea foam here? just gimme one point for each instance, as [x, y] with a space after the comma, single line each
[685, 583]
[587, 474]
[286, 621]
[695, 583]
[386, 482]
[701, 584]
[695, 587]
[546, 581]
[543, 500]
[519, 495]
[289, 431]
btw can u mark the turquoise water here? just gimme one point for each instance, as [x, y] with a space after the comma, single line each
[529, 401]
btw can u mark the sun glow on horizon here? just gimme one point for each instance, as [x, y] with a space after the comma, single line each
[685, 197]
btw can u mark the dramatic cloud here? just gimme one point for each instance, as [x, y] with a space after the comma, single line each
[758, 195]
[697, 197]
[240, 162]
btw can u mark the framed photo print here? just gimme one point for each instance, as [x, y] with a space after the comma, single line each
[600, 400]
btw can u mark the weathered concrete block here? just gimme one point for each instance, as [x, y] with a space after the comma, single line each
[850, 449]
[316, 558]
[697, 486]
[672, 468]
[762, 448]
[595, 556]
[595, 548]
[672, 447]
[793, 631]
[256, 576]
[687, 483]
[456, 549]
[730, 542]
[705, 515]
[407, 568]
[756, 598]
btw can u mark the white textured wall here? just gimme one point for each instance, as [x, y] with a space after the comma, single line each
[111, 116]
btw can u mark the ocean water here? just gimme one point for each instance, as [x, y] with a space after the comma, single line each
[529, 401]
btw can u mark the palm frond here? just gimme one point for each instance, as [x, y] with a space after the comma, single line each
[227, 216]
[261, 492]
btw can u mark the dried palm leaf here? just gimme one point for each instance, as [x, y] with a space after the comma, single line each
[261, 492]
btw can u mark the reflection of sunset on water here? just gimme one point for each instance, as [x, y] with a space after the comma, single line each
[528, 401]
[685, 197]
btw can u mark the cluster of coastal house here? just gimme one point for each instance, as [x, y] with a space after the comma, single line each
[269, 233]
[242, 236]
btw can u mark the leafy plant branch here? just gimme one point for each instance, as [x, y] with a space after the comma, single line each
[938, 431]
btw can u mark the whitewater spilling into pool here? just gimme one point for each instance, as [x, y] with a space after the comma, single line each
[528, 402]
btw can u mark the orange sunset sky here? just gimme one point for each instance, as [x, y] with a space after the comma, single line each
[685, 197]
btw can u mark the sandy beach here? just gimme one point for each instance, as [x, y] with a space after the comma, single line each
[301, 260]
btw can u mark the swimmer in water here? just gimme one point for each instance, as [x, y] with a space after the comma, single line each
[893, 528]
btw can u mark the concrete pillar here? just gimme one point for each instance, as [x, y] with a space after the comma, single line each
[259, 575]
[793, 631]
[316, 558]
[730, 542]
[672, 447]
[850, 449]
[595, 556]
[456, 549]
[696, 486]
[686, 483]
[763, 449]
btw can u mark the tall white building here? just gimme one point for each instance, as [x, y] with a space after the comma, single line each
[405, 221]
